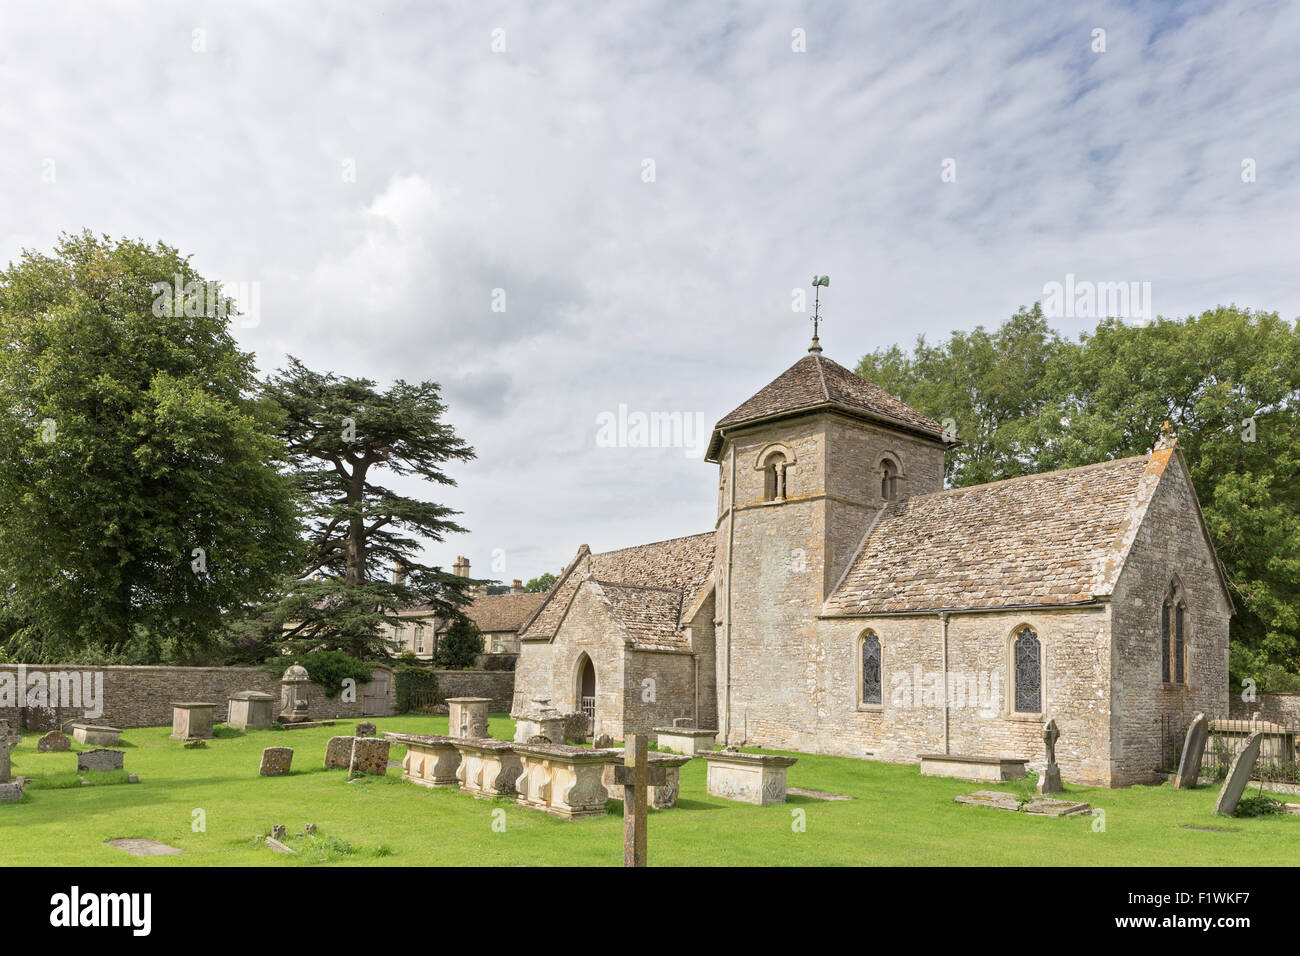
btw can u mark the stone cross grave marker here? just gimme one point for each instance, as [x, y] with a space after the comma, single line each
[1189, 767]
[1238, 776]
[634, 776]
[1049, 781]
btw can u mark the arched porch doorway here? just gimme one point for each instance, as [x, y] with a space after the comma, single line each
[587, 690]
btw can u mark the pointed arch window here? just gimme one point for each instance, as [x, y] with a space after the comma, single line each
[1027, 663]
[1173, 636]
[871, 671]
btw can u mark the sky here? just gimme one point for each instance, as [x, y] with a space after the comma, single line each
[560, 210]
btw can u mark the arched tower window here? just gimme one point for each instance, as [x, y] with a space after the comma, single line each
[888, 480]
[871, 682]
[774, 478]
[1173, 636]
[1027, 679]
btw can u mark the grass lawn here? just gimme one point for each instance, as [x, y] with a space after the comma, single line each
[896, 817]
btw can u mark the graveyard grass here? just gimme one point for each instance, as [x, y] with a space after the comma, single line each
[896, 817]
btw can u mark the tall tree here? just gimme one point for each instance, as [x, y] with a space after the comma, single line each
[986, 387]
[540, 584]
[340, 434]
[138, 476]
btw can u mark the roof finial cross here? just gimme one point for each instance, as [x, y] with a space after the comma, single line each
[818, 283]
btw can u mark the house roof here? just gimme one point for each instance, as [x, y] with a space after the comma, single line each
[502, 612]
[681, 565]
[1056, 538]
[817, 382]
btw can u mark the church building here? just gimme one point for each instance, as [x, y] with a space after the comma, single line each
[846, 603]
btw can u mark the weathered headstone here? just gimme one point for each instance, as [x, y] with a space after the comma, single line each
[191, 719]
[1189, 767]
[9, 734]
[575, 728]
[4, 761]
[468, 717]
[1049, 781]
[96, 735]
[276, 761]
[338, 753]
[366, 728]
[602, 742]
[100, 759]
[1238, 775]
[250, 710]
[53, 742]
[9, 792]
[369, 755]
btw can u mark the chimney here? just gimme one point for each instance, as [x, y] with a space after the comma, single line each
[517, 587]
[399, 573]
[461, 567]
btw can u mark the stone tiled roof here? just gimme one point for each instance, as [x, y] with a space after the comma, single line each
[503, 612]
[683, 565]
[1055, 538]
[815, 381]
[649, 615]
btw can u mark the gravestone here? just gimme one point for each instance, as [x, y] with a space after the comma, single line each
[294, 707]
[9, 792]
[602, 742]
[575, 728]
[338, 753]
[250, 710]
[53, 742]
[369, 755]
[1189, 767]
[93, 735]
[366, 729]
[100, 759]
[191, 720]
[7, 733]
[634, 777]
[468, 717]
[276, 761]
[1238, 775]
[1049, 781]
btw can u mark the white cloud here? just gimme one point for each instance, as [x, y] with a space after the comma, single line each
[522, 171]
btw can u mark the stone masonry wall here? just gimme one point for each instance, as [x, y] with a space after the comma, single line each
[552, 669]
[1169, 542]
[980, 719]
[142, 696]
[498, 685]
[1281, 708]
[670, 694]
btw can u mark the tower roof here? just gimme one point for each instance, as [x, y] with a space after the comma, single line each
[816, 382]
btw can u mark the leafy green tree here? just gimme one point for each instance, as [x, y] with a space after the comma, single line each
[541, 584]
[1229, 382]
[340, 433]
[138, 478]
[459, 644]
[985, 387]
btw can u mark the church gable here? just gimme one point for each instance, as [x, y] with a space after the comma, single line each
[668, 573]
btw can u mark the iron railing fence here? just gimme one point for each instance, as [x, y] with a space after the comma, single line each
[1278, 760]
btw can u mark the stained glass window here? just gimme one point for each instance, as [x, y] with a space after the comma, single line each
[1029, 674]
[871, 669]
[1180, 645]
[1164, 642]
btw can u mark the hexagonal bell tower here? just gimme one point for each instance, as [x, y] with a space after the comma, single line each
[804, 468]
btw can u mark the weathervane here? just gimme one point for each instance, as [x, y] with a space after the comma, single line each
[818, 283]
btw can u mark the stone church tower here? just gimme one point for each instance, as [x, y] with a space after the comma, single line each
[804, 468]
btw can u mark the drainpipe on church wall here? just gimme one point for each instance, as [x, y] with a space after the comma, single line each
[731, 543]
[943, 626]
